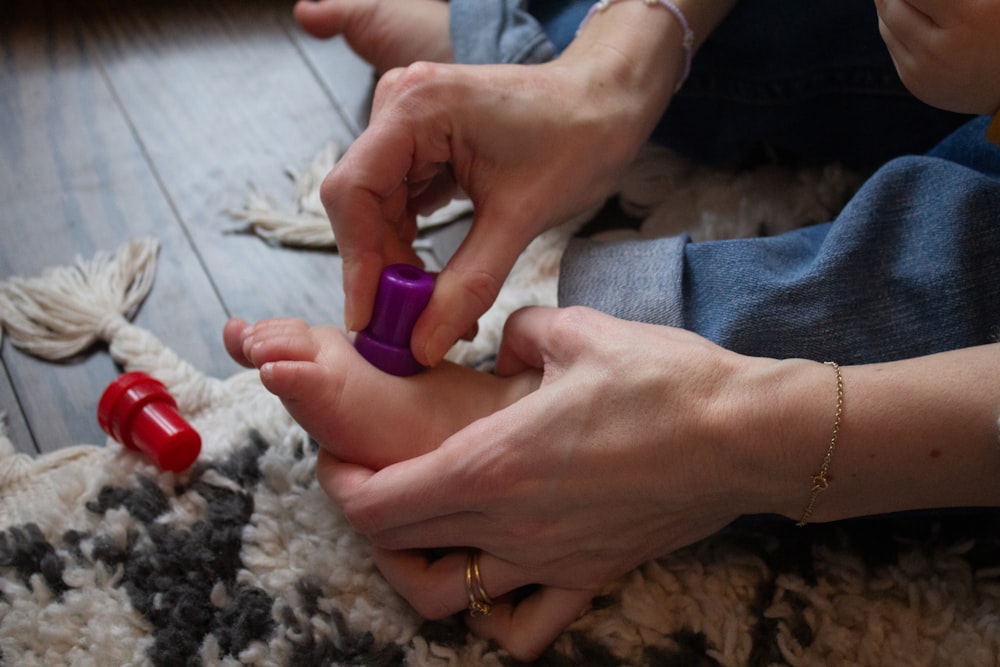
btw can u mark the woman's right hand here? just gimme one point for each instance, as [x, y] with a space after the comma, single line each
[531, 145]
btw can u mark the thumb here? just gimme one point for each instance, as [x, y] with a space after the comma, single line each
[552, 339]
[525, 342]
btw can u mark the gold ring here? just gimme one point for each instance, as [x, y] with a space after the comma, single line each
[480, 603]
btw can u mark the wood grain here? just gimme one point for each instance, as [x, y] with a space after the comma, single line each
[154, 119]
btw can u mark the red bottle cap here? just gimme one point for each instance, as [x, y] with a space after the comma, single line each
[139, 412]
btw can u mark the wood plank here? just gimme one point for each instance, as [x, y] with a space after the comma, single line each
[154, 119]
[73, 181]
[12, 421]
[347, 78]
[221, 99]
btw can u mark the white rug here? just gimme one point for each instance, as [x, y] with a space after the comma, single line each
[104, 560]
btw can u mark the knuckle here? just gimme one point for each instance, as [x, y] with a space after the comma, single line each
[483, 287]
[418, 74]
[330, 189]
[413, 79]
[572, 323]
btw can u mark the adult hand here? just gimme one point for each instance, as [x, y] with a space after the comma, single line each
[530, 145]
[946, 50]
[640, 440]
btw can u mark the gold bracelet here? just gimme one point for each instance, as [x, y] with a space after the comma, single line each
[821, 479]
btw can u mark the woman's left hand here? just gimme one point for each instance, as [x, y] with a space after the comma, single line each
[635, 444]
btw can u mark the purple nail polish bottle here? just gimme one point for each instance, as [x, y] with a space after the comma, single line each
[403, 293]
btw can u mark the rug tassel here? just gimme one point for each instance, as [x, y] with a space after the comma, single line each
[307, 226]
[68, 309]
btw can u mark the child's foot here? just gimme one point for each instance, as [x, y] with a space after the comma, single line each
[355, 411]
[386, 33]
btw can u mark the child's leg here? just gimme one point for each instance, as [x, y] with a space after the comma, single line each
[386, 33]
[908, 268]
[355, 411]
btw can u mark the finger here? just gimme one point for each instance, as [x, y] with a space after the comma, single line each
[549, 338]
[902, 25]
[472, 332]
[466, 288]
[339, 480]
[433, 193]
[365, 250]
[395, 505]
[913, 13]
[446, 531]
[365, 198]
[232, 338]
[445, 497]
[527, 628]
[436, 587]
[520, 346]
[426, 488]
[366, 194]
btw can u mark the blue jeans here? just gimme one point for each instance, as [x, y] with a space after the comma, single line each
[911, 266]
[786, 80]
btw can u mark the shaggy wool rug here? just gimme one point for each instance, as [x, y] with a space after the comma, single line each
[106, 560]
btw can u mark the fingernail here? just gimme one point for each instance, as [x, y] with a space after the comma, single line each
[350, 321]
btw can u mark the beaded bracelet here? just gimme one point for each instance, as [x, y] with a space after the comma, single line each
[821, 479]
[687, 43]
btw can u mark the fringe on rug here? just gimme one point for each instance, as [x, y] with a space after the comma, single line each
[68, 309]
[306, 225]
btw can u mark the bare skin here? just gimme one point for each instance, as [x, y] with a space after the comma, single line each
[531, 145]
[355, 411]
[655, 435]
[945, 52]
[386, 33]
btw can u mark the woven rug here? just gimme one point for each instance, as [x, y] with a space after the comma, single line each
[105, 560]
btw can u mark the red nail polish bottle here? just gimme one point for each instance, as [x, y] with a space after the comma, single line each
[138, 411]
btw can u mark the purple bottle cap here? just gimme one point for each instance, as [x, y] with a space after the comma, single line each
[403, 293]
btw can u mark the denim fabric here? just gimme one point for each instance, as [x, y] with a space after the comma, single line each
[911, 266]
[778, 80]
[638, 280]
[487, 32]
[560, 19]
[799, 80]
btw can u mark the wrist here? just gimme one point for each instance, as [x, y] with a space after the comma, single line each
[630, 54]
[619, 88]
[687, 40]
[786, 412]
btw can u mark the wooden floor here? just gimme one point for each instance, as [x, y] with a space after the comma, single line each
[141, 118]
